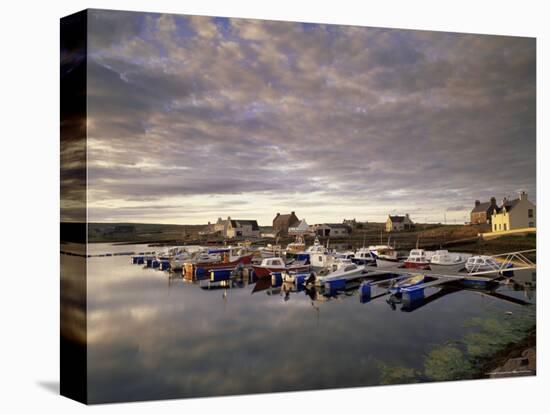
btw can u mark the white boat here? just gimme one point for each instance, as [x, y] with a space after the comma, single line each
[364, 256]
[386, 263]
[481, 264]
[444, 261]
[319, 256]
[177, 261]
[338, 269]
[418, 259]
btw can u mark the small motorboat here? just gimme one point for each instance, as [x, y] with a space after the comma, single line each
[482, 264]
[408, 282]
[418, 259]
[443, 261]
[363, 256]
[341, 270]
[277, 264]
[177, 261]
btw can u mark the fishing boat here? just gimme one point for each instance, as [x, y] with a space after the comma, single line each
[319, 255]
[271, 250]
[386, 256]
[414, 280]
[481, 264]
[418, 259]
[443, 261]
[296, 246]
[277, 264]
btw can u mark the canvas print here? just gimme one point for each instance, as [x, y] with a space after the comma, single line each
[253, 206]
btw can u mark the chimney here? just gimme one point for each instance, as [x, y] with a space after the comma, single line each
[493, 201]
[523, 195]
[228, 218]
[278, 214]
[293, 213]
[477, 203]
[504, 201]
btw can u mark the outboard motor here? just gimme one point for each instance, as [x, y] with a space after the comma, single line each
[311, 279]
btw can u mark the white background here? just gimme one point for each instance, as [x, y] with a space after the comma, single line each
[29, 290]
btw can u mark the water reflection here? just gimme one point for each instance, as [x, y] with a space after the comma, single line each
[156, 335]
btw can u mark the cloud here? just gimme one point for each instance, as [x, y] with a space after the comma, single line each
[182, 106]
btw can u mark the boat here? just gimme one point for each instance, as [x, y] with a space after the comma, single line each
[481, 264]
[177, 261]
[277, 264]
[387, 263]
[319, 256]
[232, 257]
[296, 246]
[414, 280]
[364, 256]
[443, 261]
[271, 250]
[170, 253]
[340, 270]
[418, 259]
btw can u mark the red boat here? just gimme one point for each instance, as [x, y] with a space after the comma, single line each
[231, 258]
[276, 264]
[418, 259]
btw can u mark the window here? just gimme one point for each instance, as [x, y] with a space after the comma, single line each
[505, 226]
[530, 213]
[531, 224]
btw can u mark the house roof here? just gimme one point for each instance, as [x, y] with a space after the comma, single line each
[482, 207]
[285, 218]
[510, 204]
[397, 219]
[240, 223]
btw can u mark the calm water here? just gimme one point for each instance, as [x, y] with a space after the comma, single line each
[152, 336]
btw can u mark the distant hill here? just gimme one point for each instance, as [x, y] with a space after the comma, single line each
[141, 232]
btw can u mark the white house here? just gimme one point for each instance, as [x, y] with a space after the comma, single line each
[331, 229]
[514, 214]
[299, 229]
[235, 228]
[399, 223]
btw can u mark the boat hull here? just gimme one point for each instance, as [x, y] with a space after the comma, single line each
[385, 263]
[443, 268]
[201, 269]
[416, 265]
[260, 271]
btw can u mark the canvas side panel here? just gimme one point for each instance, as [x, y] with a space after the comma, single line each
[73, 37]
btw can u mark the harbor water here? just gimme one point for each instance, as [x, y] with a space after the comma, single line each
[152, 335]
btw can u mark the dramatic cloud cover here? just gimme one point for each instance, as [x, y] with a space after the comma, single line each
[191, 118]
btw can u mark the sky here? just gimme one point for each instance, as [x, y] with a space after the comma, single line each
[194, 118]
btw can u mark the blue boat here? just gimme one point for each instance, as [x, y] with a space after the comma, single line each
[409, 282]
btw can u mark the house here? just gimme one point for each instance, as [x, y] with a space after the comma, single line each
[234, 228]
[332, 229]
[514, 214]
[399, 223]
[482, 212]
[242, 228]
[299, 229]
[282, 222]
